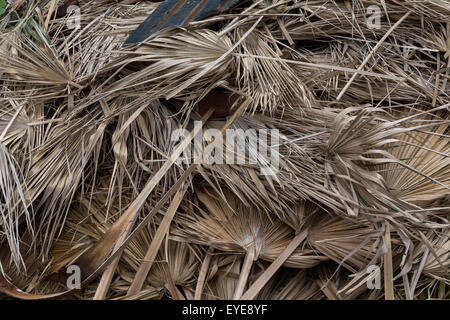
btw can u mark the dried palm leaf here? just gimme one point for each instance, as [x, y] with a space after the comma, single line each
[428, 152]
[289, 285]
[232, 227]
[348, 243]
[270, 82]
[176, 262]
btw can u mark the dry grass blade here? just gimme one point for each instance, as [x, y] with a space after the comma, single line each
[388, 269]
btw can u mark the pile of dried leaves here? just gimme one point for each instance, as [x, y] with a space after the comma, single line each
[90, 177]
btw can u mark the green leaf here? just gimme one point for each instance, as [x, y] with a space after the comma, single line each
[2, 6]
